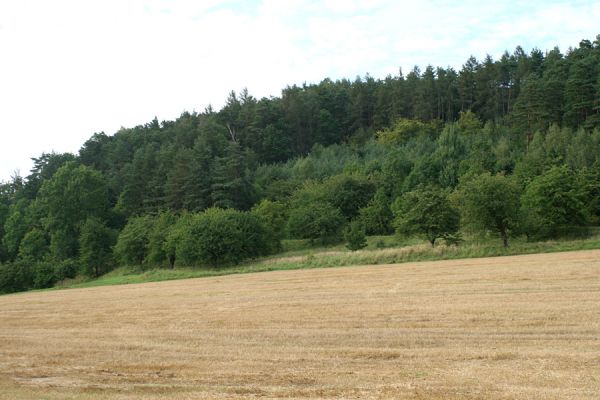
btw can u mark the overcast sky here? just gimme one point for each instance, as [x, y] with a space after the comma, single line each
[72, 68]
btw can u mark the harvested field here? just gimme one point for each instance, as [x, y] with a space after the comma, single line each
[494, 328]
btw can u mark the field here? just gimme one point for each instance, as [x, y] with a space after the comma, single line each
[490, 328]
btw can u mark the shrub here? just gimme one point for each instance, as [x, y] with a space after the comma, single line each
[132, 243]
[219, 237]
[15, 277]
[317, 221]
[355, 236]
[43, 275]
[66, 269]
[552, 204]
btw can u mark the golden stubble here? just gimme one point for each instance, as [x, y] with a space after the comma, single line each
[493, 328]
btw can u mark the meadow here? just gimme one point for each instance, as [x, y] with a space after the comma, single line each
[511, 327]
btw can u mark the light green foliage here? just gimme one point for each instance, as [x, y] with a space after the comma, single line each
[34, 245]
[426, 212]
[552, 203]
[95, 244]
[355, 236]
[377, 216]
[273, 215]
[158, 253]
[404, 130]
[318, 221]
[132, 243]
[489, 202]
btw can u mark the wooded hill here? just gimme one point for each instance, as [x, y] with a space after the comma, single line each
[508, 146]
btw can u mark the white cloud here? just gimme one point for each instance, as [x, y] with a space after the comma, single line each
[71, 68]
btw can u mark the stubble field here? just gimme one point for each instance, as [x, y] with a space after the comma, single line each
[494, 328]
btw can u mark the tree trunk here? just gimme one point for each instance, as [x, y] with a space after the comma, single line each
[504, 239]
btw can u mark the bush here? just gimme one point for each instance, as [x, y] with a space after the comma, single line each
[218, 237]
[355, 236]
[95, 244]
[317, 221]
[132, 243]
[377, 216]
[553, 204]
[66, 269]
[157, 250]
[43, 275]
[15, 277]
[273, 215]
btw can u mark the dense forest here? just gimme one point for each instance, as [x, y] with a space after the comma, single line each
[507, 147]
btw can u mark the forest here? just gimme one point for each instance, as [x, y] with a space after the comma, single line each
[507, 147]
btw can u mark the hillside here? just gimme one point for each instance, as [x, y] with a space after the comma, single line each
[505, 148]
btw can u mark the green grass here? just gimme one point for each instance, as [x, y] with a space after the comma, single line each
[380, 250]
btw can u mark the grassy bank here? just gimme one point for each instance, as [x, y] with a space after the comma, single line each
[380, 250]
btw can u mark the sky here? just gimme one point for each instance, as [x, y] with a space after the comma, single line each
[69, 69]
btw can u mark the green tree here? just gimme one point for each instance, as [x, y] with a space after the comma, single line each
[220, 237]
[377, 216]
[553, 203]
[316, 221]
[355, 236]
[132, 243]
[73, 194]
[157, 239]
[490, 202]
[427, 212]
[34, 245]
[15, 227]
[231, 186]
[95, 244]
[348, 193]
[273, 215]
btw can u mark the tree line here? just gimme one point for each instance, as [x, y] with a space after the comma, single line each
[506, 146]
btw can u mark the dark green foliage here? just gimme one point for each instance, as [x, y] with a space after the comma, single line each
[355, 236]
[66, 269]
[552, 203]
[490, 202]
[231, 186]
[15, 277]
[95, 243]
[426, 212]
[322, 155]
[43, 275]
[15, 227]
[348, 193]
[318, 221]
[219, 237]
[73, 194]
[589, 179]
